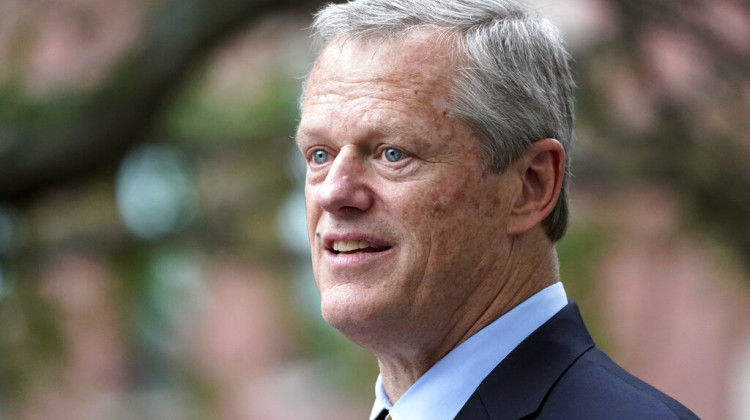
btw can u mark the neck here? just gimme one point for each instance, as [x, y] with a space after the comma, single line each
[524, 274]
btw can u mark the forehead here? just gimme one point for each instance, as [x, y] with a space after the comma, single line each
[411, 74]
[415, 55]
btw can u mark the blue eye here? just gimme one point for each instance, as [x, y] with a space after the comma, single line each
[393, 155]
[320, 156]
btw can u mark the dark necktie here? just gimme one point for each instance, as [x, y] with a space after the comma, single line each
[383, 415]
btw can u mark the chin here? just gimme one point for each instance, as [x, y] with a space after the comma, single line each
[342, 309]
[358, 318]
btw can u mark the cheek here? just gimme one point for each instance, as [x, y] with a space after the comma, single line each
[312, 213]
[457, 201]
[427, 207]
[446, 200]
[462, 215]
[440, 219]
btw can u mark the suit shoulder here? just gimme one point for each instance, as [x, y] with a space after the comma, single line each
[594, 387]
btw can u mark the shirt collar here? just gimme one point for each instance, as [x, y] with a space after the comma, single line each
[442, 391]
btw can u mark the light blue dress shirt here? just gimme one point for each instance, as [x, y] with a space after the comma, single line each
[444, 389]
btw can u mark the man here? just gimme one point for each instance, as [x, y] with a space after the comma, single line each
[436, 135]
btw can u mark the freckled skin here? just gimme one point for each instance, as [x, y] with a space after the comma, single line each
[443, 217]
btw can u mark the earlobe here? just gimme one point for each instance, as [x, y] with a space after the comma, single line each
[540, 170]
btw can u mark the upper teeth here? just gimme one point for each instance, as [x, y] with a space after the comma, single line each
[344, 246]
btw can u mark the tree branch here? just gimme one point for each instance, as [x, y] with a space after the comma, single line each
[61, 140]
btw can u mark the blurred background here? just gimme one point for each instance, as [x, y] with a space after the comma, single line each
[153, 255]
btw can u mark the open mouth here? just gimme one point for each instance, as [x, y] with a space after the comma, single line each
[355, 247]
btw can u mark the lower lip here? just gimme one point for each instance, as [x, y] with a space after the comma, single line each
[353, 260]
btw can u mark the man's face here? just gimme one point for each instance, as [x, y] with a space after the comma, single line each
[405, 227]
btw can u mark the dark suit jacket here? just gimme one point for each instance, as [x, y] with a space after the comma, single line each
[558, 373]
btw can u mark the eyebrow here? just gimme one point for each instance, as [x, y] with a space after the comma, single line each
[372, 133]
[306, 133]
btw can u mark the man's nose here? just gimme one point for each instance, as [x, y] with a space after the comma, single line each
[345, 189]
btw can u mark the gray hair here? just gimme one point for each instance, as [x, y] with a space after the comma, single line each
[516, 88]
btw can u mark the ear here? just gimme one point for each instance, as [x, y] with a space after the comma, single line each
[541, 170]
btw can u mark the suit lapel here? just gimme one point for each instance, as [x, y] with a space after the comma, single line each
[518, 385]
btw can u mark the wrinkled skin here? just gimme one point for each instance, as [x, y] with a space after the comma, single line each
[389, 166]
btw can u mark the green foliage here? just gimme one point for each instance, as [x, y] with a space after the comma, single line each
[31, 344]
[347, 366]
[22, 117]
[582, 246]
[202, 119]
